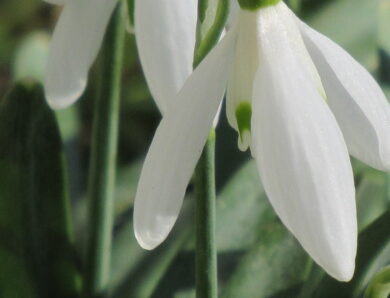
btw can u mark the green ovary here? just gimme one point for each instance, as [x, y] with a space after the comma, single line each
[256, 4]
[243, 116]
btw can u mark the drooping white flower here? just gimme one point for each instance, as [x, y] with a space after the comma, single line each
[299, 102]
[166, 50]
[74, 46]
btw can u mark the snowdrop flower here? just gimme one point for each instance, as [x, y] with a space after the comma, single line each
[300, 103]
[166, 50]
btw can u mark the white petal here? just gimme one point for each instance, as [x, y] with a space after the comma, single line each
[234, 10]
[288, 23]
[302, 158]
[75, 44]
[356, 100]
[165, 32]
[177, 146]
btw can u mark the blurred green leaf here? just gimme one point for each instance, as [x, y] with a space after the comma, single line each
[135, 272]
[34, 209]
[274, 264]
[373, 253]
[353, 25]
[125, 189]
[384, 25]
[384, 43]
[243, 202]
[15, 280]
[379, 287]
[140, 271]
[270, 256]
[295, 5]
[371, 197]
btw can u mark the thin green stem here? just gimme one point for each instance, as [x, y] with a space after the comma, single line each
[130, 11]
[205, 217]
[103, 161]
[204, 44]
[206, 252]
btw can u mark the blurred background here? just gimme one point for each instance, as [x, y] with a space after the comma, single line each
[256, 254]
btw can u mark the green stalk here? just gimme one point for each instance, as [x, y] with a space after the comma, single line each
[204, 44]
[103, 161]
[206, 252]
[205, 217]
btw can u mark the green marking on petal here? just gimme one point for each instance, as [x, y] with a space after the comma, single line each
[323, 94]
[256, 4]
[243, 116]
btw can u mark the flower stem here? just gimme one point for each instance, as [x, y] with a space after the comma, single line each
[206, 253]
[103, 161]
[204, 43]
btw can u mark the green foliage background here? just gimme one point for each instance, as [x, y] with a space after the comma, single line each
[44, 162]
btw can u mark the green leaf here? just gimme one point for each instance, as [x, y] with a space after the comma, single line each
[34, 209]
[371, 197]
[125, 189]
[15, 280]
[295, 5]
[379, 287]
[384, 41]
[373, 253]
[138, 272]
[269, 256]
[274, 264]
[384, 25]
[243, 202]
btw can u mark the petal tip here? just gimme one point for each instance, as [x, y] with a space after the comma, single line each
[345, 273]
[151, 230]
[60, 100]
[145, 244]
[343, 266]
[146, 239]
